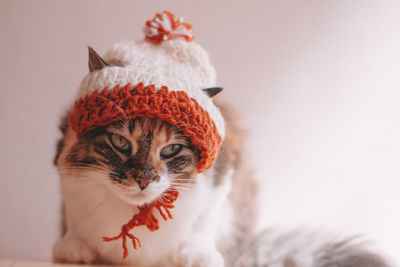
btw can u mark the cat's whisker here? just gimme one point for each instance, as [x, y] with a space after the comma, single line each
[127, 122]
[87, 168]
[84, 164]
[91, 167]
[95, 166]
[79, 185]
[178, 187]
[193, 124]
[82, 169]
[183, 190]
[90, 183]
[181, 185]
[87, 171]
[173, 130]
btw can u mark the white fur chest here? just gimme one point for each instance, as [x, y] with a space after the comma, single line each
[93, 212]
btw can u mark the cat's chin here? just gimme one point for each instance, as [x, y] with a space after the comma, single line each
[142, 197]
[139, 197]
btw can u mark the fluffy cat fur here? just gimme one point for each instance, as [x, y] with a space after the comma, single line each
[214, 217]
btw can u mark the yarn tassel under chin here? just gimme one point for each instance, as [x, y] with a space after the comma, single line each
[146, 217]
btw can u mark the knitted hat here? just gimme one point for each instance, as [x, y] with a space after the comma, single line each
[159, 77]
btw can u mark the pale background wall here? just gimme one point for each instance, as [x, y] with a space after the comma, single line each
[317, 83]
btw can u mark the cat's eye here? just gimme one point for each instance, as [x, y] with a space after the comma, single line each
[120, 142]
[170, 151]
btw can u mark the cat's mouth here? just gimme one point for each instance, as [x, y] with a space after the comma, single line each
[137, 195]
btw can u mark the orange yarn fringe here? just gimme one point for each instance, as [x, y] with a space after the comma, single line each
[145, 217]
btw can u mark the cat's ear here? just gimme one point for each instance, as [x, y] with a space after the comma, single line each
[213, 91]
[96, 62]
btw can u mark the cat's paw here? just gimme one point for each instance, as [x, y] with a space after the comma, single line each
[199, 257]
[72, 250]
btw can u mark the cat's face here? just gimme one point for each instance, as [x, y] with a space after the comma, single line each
[136, 159]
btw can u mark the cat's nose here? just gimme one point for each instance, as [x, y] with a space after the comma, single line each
[143, 182]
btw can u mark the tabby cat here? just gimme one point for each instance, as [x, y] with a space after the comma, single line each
[112, 170]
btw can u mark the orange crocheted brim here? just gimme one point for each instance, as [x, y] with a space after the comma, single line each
[176, 107]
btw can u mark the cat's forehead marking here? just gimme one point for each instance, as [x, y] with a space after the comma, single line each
[157, 128]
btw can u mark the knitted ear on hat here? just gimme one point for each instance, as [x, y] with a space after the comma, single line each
[161, 77]
[95, 62]
[213, 91]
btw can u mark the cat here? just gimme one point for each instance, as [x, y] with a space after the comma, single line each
[111, 172]
[213, 220]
